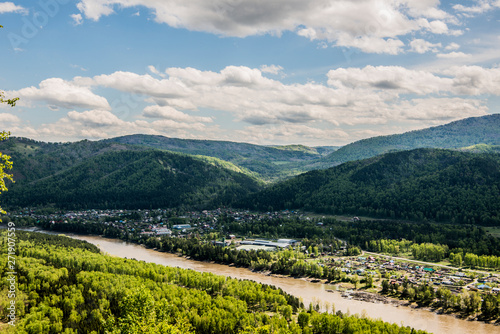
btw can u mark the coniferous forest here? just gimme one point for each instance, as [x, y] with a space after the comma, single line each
[422, 184]
[418, 185]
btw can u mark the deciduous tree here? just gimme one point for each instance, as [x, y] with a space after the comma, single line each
[5, 161]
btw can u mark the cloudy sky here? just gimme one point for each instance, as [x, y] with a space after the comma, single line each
[315, 72]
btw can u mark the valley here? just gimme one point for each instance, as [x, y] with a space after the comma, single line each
[249, 167]
[414, 226]
[325, 250]
[322, 294]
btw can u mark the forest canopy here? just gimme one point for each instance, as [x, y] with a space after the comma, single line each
[73, 289]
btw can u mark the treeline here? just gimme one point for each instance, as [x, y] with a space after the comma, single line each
[474, 261]
[418, 185]
[463, 244]
[369, 234]
[286, 262]
[64, 289]
[389, 246]
[424, 251]
[458, 238]
[426, 241]
[433, 252]
[207, 251]
[57, 240]
[429, 252]
[484, 306]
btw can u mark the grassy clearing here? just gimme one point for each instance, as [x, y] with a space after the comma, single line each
[26, 148]
[494, 231]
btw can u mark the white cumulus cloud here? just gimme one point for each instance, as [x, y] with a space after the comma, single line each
[77, 19]
[452, 46]
[170, 113]
[481, 7]
[10, 7]
[457, 80]
[453, 54]
[9, 118]
[188, 102]
[388, 79]
[370, 25]
[423, 46]
[273, 69]
[95, 118]
[65, 94]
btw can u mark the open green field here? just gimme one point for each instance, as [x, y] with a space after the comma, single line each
[494, 231]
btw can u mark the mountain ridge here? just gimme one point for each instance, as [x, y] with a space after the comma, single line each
[38, 164]
[420, 184]
[270, 163]
[135, 179]
[454, 135]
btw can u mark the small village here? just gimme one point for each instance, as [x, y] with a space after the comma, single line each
[398, 272]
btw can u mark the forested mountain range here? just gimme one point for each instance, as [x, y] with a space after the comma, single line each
[35, 159]
[455, 135]
[269, 163]
[142, 171]
[420, 184]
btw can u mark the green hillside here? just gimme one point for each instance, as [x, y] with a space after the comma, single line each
[269, 163]
[135, 179]
[421, 184]
[462, 133]
[481, 148]
[128, 171]
[35, 159]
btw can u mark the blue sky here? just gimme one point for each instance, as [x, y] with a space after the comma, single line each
[318, 72]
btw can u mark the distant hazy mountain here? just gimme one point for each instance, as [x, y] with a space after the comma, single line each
[458, 134]
[269, 163]
[481, 148]
[273, 163]
[321, 150]
[434, 184]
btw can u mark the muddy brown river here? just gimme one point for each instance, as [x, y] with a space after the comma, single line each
[308, 291]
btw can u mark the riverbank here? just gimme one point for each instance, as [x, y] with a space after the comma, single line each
[303, 288]
[382, 299]
[378, 298]
[364, 296]
[310, 290]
